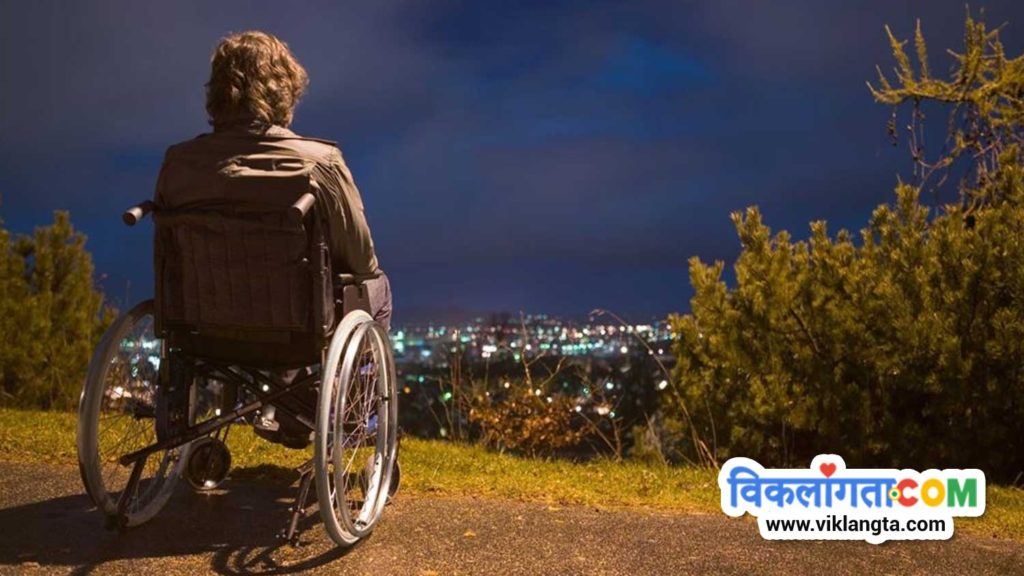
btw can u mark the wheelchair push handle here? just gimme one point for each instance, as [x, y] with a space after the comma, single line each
[296, 211]
[132, 215]
[301, 207]
[352, 279]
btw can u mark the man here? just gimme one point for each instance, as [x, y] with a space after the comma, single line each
[255, 84]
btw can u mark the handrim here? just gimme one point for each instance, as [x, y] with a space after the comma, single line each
[118, 400]
[346, 407]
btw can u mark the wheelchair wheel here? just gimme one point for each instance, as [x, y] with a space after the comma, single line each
[356, 430]
[117, 415]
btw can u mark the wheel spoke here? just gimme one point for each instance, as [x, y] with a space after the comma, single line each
[119, 413]
[355, 437]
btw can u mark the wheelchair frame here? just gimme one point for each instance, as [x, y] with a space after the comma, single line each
[267, 389]
[225, 373]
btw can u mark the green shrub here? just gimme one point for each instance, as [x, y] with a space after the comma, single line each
[901, 347]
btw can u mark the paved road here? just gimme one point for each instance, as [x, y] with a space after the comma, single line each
[46, 526]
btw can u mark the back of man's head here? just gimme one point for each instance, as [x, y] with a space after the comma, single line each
[254, 78]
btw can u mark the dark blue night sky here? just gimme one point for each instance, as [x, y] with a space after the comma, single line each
[543, 157]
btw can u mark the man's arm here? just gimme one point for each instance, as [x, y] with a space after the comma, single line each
[351, 243]
[158, 193]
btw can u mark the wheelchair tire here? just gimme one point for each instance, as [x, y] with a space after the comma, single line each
[117, 415]
[356, 436]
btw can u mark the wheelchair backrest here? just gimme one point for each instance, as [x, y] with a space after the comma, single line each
[233, 266]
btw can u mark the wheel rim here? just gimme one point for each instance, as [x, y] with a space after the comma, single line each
[356, 433]
[358, 448]
[117, 416]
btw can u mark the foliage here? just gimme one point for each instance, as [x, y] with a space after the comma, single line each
[524, 422]
[533, 402]
[986, 111]
[51, 315]
[905, 348]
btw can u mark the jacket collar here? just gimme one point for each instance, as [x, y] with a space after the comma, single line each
[251, 127]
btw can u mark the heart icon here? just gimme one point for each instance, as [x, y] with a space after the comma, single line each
[827, 469]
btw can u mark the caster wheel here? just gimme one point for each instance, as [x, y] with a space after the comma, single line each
[208, 464]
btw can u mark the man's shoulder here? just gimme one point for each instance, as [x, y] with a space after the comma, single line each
[318, 149]
[283, 133]
[275, 140]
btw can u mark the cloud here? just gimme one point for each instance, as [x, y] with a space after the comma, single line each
[514, 153]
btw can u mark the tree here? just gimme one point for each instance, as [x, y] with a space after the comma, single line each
[986, 101]
[52, 315]
[902, 347]
[13, 295]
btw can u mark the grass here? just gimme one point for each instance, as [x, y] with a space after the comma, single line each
[447, 469]
[428, 467]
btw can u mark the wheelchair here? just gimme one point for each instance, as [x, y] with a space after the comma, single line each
[247, 315]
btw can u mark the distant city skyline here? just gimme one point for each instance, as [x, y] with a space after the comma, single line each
[533, 156]
[482, 339]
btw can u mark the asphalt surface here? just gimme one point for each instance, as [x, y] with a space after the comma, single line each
[47, 525]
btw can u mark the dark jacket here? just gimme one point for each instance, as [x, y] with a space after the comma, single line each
[195, 173]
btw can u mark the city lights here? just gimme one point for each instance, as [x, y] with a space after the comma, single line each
[607, 370]
[496, 340]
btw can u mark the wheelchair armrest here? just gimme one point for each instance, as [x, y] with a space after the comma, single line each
[351, 279]
[351, 294]
[132, 215]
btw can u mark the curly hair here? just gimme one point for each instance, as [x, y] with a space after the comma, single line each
[253, 76]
